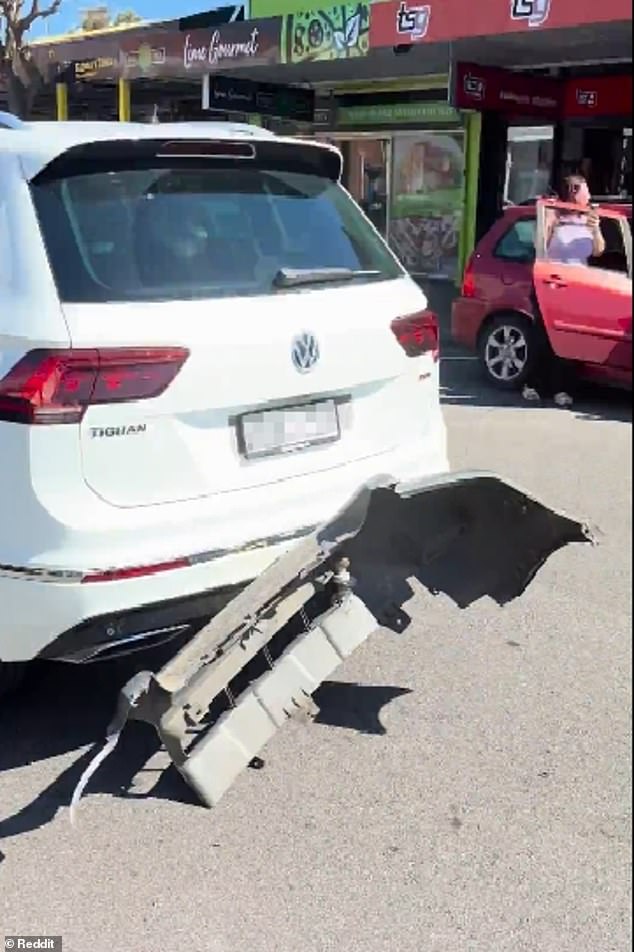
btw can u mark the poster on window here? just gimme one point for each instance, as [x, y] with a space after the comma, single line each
[427, 200]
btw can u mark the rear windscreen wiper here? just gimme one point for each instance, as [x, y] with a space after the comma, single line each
[298, 277]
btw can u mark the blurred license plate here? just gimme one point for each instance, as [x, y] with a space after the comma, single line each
[289, 429]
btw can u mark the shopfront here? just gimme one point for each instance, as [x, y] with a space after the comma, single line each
[596, 134]
[166, 64]
[593, 137]
[404, 162]
[531, 127]
[431, 171]
[537, 129]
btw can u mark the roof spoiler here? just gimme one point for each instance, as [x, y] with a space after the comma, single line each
[9, 121]
[275, 154]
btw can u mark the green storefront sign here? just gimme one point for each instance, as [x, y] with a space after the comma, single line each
[326, 34]
[397, 114]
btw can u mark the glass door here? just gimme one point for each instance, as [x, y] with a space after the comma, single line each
[529, 163]
[366, 178]
[366, 161]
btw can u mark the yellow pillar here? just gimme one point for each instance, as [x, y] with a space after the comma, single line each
[61, 99]
[125, 109]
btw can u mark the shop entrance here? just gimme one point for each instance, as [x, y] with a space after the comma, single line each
[603, 154]
[529, 162]
[410, 185]
[366, 173]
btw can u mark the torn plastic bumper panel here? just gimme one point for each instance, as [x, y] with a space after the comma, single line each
[221, 698]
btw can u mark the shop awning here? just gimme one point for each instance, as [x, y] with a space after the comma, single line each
[355, 43]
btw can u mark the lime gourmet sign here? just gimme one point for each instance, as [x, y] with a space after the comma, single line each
[167, 52]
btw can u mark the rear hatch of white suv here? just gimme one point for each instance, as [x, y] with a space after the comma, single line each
[234, 319]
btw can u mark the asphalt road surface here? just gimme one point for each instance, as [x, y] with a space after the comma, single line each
[466, 788]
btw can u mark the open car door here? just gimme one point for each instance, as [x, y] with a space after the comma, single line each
[586, 308]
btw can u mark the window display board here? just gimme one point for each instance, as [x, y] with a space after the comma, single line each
[426, 201]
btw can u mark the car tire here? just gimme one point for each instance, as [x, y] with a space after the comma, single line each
[507, 348]
[11, 675]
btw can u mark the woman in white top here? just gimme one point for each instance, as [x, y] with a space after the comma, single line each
[570, 239]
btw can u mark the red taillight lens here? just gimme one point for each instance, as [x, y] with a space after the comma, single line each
[418, 334]
[194, 149]
[56, 386]
[136, 374]
[469, 281]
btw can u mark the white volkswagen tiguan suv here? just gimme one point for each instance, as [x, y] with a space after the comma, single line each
[205, 348]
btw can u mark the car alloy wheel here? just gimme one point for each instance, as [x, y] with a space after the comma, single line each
[506, 353]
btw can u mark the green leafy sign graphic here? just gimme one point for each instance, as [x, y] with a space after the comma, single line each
[340, 32]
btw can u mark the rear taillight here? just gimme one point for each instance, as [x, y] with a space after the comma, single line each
[57, 386]
[469, 280]
[418, 334]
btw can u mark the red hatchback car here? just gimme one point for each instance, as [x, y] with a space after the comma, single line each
[586, 309]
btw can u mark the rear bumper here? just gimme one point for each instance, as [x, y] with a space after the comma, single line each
[66, 620]
[120, 632]
[467, 316]
[60, 617]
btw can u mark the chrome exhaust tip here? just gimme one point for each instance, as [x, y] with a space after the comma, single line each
[119, 647]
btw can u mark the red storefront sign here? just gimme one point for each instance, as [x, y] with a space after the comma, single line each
[403, 22]
[485, 88]
[601, 96]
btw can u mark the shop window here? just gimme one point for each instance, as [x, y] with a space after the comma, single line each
[602, 160]
[427, 199]
[603, 156]
[366, 178]
[529, 163]
[518, 243]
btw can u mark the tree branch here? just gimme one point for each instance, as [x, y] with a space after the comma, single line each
[37, 13]
[15, 55]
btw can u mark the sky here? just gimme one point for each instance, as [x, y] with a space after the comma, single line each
[69, 14]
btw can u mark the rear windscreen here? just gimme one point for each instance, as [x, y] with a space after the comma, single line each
[146, 234]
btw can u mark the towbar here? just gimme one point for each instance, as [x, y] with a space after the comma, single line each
[220, 699]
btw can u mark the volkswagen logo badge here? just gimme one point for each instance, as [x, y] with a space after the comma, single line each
[304, 352]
